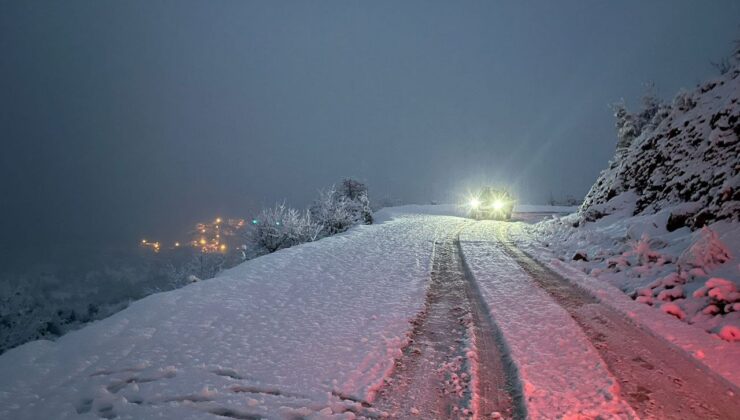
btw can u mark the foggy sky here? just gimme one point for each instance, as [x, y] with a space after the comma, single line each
[125, 119]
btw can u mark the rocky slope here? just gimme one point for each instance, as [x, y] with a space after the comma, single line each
[692, 156]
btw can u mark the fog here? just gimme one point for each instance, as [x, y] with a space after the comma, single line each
[128, 119]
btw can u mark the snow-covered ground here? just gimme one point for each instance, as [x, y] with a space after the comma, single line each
[312, 331]
[662, 222]
[303, 331]
[714, 353]
[691, 275]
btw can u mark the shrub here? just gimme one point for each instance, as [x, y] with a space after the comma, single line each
[335, 210]
[281, 227]
[339, 208]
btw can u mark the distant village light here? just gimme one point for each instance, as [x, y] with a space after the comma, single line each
[207, 237]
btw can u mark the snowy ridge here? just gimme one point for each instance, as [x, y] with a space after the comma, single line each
[307, 331]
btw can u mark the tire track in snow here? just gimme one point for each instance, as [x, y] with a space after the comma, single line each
[453, 366]
[655, 379]
[497, 387]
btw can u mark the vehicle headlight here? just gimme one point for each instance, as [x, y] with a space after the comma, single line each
[498, 204]
[474, 203]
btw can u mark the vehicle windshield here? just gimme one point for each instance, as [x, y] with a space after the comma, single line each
[490, 193]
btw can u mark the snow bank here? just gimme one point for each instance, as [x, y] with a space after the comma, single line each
[674, 272]
[307, 331]
[718, 355]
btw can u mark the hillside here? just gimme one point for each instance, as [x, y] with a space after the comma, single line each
[662, 222]
[690, 157]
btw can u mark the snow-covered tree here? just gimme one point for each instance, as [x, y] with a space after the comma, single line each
[356, 199]
[280, 227]
[684, 101]
[627, 129]
[652, 113]
[339, 208]
[631, 125]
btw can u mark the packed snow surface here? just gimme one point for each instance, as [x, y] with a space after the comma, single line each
[562, 375]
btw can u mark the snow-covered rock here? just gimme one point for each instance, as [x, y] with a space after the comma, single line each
[689, 158]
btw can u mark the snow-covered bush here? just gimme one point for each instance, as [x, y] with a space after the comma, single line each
[630, 126]
[280, 227]
[684, 101]
[627, 128]
[335, 210]
[723, 296]
[691, 275]
[705, 254]
[339, 208]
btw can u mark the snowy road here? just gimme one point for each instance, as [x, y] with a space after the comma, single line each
[454, 365]
[424, 315]
[656, 379]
